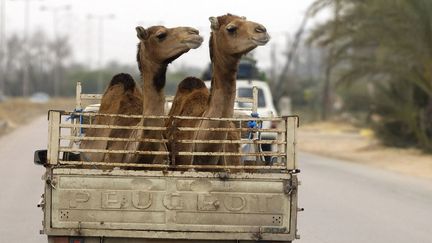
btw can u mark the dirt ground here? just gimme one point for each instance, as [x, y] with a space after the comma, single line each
[346, 142]
[19, 111]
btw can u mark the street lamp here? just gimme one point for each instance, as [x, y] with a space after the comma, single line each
[89, 43]
[54, 10]
[2, 46]
[26, 75]
[101, 19]
[56, 69]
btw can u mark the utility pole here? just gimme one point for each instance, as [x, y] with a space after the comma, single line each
[89, 42]
[56, 69]
[54, 10]
[26, 74]
[101, 19]
[26, 47]
[2, 47]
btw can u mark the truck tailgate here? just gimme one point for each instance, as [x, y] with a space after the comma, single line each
[176, 205]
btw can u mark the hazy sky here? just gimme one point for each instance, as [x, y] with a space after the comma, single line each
[119, 39]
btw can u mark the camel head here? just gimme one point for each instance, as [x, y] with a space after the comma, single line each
[234, 35]
[163, 45]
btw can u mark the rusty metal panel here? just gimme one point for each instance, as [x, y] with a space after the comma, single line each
[178, 201]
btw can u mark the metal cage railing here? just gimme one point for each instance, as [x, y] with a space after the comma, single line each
[67, 131]
[65, 137]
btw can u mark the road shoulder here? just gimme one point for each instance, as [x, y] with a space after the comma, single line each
[356, 145]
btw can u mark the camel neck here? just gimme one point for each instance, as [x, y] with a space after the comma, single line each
[153, 77]
[223, 87]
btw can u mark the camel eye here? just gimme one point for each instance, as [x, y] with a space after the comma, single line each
[231, 29]
[161, 36]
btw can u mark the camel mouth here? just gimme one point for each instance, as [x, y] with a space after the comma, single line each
[261, 41]
[193, 42]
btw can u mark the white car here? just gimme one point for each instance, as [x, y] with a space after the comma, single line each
[265, 98]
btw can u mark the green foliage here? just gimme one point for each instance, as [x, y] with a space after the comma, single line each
[388, 44]
[305, 93]
[356, 97]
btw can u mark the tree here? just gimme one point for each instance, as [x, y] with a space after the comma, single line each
[388, 44]
[61, 51]
[44, 58]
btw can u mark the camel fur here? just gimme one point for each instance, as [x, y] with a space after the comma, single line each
[122, 96]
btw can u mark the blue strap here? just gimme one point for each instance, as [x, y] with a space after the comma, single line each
[253, 124]
[75, 116]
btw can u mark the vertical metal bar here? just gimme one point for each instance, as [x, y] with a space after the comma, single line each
[294, 207]
[291, 125]
[281, 136]
[53, 137]
[295, 126]
[78, 107]
[78, 104]
[255, 99]
[255, 134]
[47, 209]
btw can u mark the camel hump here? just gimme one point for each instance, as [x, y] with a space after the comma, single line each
[191, 83]
[124, 79]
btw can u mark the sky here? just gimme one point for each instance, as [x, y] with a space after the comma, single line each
[79, 20]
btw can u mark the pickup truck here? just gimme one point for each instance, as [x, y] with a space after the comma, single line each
[124, 202]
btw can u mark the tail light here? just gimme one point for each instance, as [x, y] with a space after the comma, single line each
[63, 239]
[76, 240]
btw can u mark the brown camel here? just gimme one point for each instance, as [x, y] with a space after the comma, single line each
[191, 99]
[158, 47]
[231, 37]
[122, 96]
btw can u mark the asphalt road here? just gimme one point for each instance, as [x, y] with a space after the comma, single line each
[348, 203]
[21, 184]
[344, 202]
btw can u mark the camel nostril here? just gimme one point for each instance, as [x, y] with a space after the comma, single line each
[260, 29]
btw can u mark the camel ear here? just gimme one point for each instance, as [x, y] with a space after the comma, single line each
[141, 33]
[214, 23]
